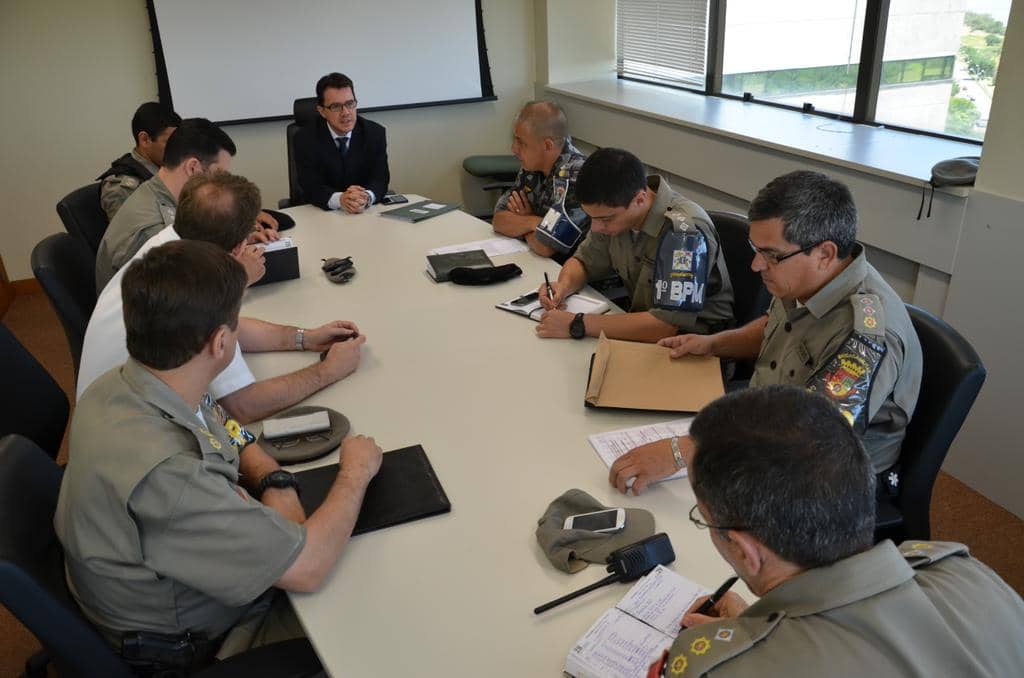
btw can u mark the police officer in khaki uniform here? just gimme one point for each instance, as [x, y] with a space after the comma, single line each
[630, 214]
[789, 502]
[171, 522]
[197, 145]
[152, 125]
[834, 325]
[541, 205]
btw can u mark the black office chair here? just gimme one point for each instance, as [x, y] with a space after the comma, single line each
[951, 379]
[66, 270]
[304, 112]
[750, 298]
[82, 215]
[33, 404]
[33, 588]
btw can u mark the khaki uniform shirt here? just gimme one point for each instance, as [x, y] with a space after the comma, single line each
[633, 254]
[116, 188]
[148, 210]
[158, 535]
[925, 609]
[800, 344]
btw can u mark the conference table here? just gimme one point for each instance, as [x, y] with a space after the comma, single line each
[500, 414]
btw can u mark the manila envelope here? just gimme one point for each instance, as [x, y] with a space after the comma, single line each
[638, 376]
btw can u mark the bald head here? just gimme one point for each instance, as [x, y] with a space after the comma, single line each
[544, 120]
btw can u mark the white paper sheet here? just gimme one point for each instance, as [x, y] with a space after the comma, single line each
[661, 598]
[613, 444]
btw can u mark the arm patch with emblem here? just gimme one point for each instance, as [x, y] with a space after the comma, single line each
[847, 378]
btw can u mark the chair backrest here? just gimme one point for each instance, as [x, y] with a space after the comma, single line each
[951, 378]
[304, 111]
[66, 269]
[32, 584]
[33, 404]
[751, 297]
[82, 215]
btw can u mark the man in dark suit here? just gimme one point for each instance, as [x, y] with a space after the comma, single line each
[342, 159]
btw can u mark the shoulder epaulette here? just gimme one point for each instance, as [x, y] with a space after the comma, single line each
[868, 314]
[699, 649]
[924, 553]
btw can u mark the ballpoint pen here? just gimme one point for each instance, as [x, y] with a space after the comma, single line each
[547, 283]
[716, 596]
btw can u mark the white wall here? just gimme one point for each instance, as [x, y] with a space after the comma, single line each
[72, 73]
[985, 293]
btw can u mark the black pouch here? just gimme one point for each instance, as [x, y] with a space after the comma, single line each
[464, 275]
[165, 656]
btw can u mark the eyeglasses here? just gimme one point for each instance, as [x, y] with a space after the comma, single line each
[349, 105]
[701, 525]
[775, 259]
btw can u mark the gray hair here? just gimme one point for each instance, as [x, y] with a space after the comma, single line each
[545, 120]
[813, 207]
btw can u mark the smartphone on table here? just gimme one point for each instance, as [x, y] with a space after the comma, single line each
[610, 520]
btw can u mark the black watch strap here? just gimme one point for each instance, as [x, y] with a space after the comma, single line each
[577, 329]
[280, 479]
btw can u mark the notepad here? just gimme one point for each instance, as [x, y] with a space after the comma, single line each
[418, 211]
[528, 305]
[629, 637]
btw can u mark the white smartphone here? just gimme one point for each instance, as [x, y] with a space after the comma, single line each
[611, 520]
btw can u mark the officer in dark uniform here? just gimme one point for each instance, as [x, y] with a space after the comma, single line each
[789, 501]
[152, 124]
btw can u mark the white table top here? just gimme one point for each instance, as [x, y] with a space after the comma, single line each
[500, 414]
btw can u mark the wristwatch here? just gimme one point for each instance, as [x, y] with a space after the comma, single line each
[280, 479]
[677, 454]
[577, 330]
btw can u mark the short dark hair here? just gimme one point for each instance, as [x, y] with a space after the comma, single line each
[610, 176]
[218, 208]
[175, 297]
[153, 118]
[813, 207]
[334, 81]
[784, 464]
[197, 138]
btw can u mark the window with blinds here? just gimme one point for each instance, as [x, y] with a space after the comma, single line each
[662, 40]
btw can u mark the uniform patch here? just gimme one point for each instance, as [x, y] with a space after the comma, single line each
[870, 322]
[700, 645]
[682, 260]
[724, 635]
[843, 380]
[679, 665]
[847, 377]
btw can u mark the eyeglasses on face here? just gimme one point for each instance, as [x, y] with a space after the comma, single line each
[701, 525]
[774, 258]
[349, 105]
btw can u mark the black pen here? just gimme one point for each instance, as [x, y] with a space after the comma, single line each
[716, 596]
[547, 283]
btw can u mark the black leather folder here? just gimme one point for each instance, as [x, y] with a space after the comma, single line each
[404, 489]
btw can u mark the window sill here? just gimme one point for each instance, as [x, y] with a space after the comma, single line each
[898, 156]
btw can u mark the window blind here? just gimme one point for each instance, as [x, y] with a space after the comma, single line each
[662, 40]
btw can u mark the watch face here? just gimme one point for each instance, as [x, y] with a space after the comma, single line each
[577, 330]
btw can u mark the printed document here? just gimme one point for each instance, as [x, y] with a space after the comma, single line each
[613, 444]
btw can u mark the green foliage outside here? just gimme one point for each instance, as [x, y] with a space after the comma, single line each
[961, 116]
[984, 23]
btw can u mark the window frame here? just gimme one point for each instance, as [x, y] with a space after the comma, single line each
[869, 74]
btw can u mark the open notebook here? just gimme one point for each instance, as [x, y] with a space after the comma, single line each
[528, 305]
[626, 639]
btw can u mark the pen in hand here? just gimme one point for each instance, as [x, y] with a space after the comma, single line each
[547, 284]
[713, 599]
